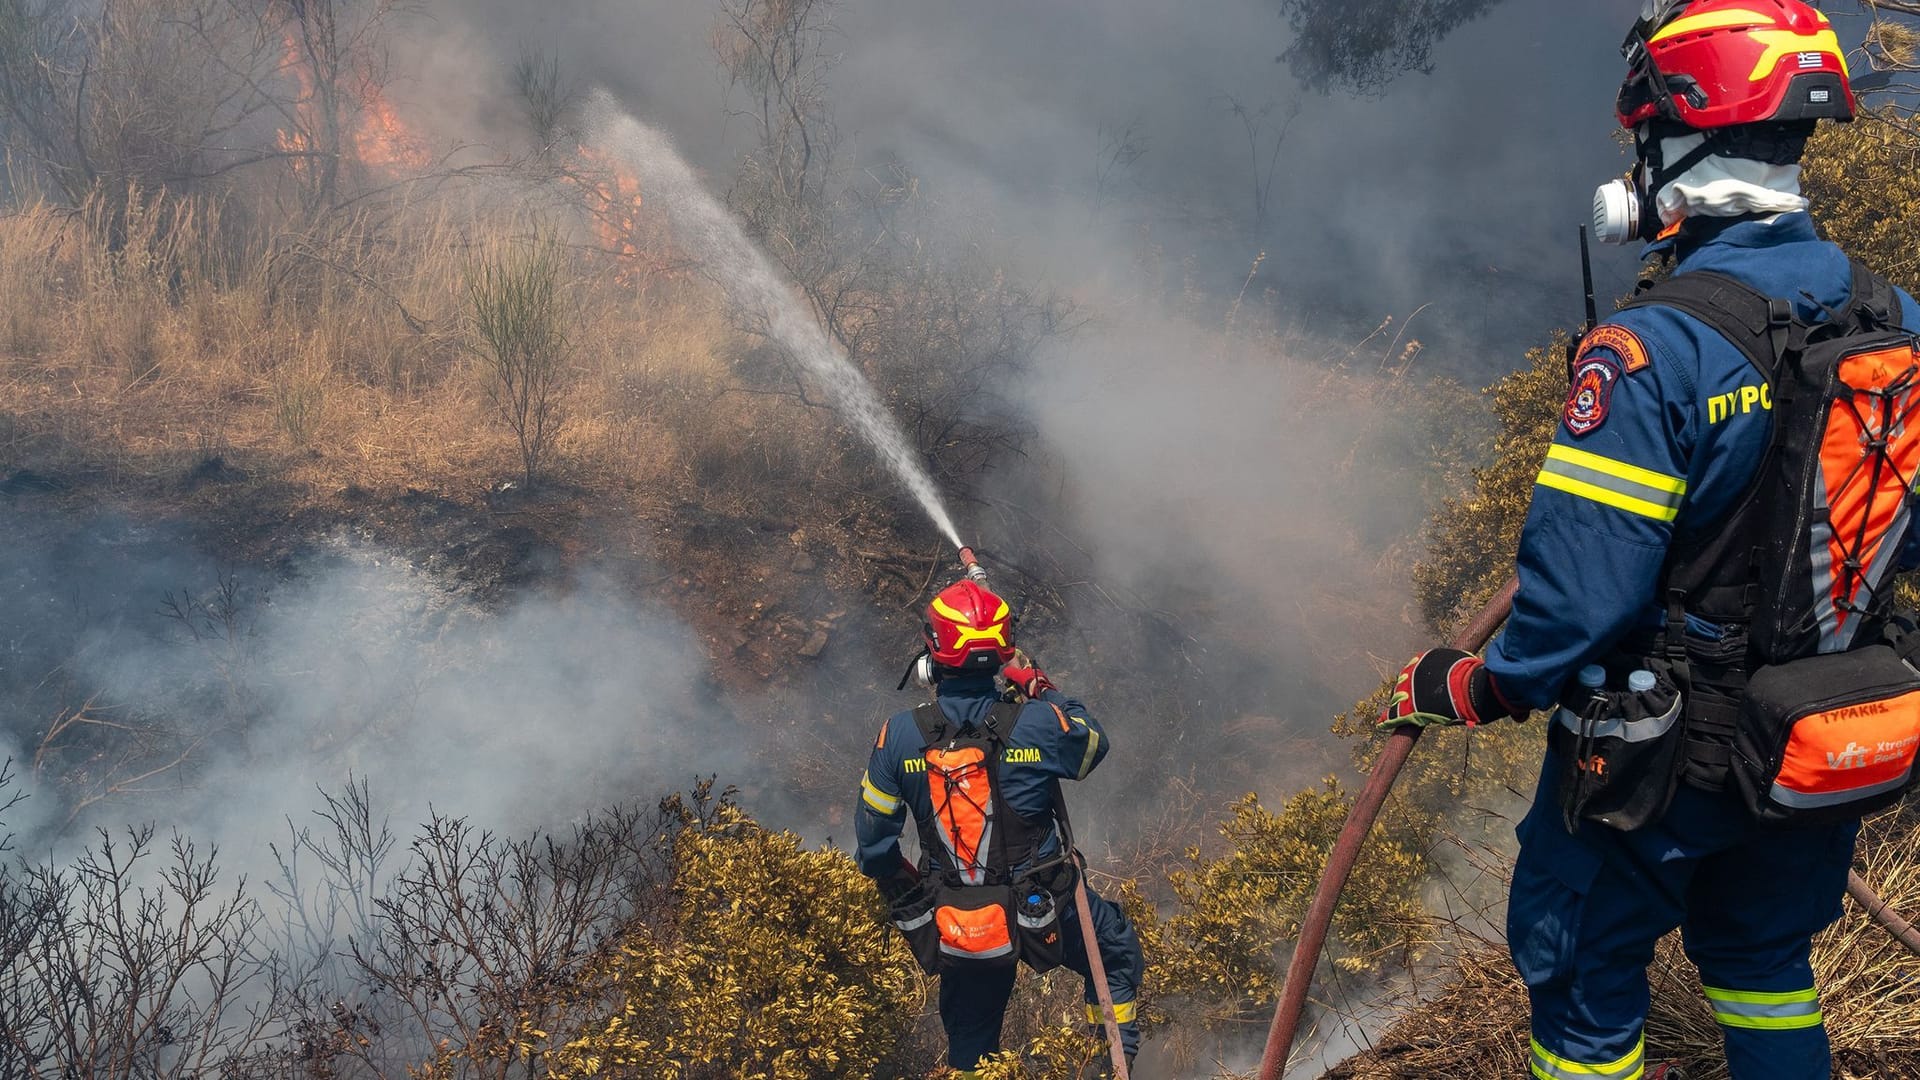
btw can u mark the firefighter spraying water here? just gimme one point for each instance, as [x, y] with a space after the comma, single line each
[979, 768]
[999, 882]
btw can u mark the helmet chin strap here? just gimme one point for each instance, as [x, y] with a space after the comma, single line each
[920, 670]
[1629, 210]
[1656, 173]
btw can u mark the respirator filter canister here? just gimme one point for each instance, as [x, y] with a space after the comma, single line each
[1617, 213]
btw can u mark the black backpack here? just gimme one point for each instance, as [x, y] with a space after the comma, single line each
[991, 902]
[1806, 706]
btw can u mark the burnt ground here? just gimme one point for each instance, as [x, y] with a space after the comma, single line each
[805, 628]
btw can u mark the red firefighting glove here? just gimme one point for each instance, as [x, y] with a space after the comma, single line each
[1024, 675]
[1445, 686]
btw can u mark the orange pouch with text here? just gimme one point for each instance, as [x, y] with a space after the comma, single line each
[1828, 737]
[974, 927]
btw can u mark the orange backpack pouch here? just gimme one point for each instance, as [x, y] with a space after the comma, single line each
[975, 933]
[1828, 737]
[962, 791]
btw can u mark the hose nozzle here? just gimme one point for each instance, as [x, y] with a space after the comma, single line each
[971, 563]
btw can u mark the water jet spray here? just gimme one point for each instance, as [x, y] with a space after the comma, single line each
[707, 230]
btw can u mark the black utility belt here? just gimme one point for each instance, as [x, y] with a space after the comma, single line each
[1810, 741]
[951, 925]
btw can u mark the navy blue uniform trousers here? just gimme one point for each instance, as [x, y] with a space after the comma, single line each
[973, 1004]
[1587, 908]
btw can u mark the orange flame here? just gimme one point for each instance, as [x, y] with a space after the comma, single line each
[377, 135]
[614, 202]
[381, 139]
[296, 140]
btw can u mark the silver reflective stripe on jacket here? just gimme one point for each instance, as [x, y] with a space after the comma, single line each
[1805, 800]
[983, 954]
[1615, 727]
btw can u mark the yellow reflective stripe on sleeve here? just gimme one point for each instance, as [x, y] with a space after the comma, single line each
[1762, 1011]
[1093, 745]
[1613, 483]
[1124, 1012]
[1549, 1066]
[881, 802]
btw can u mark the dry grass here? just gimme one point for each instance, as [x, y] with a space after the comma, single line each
[141, 335]
[1895, 44]
[1869, 983]
[1870, 995]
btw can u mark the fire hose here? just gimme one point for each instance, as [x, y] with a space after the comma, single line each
[1366, 807]
[1096, 964]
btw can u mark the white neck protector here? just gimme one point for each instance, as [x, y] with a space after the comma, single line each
[1727, 187]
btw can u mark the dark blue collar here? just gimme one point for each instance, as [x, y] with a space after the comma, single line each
[966, 686]
[1752, 231]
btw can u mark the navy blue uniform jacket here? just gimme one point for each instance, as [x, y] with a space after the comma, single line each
[1053, 739]
[1664, 430]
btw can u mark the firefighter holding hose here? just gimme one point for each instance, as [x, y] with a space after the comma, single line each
[980, 772]
[1704, 599]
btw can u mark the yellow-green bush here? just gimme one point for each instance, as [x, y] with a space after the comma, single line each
[1864, 181]
[776, 965]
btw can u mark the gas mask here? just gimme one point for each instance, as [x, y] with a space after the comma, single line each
[1628, 210]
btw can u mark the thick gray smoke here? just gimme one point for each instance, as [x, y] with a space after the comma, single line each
[1141, 157]
[347, 661]
[1125, 150]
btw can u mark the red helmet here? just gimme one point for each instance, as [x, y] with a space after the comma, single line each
[969, 628]
[1721, 63]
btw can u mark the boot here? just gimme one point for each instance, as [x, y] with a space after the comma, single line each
[1668, 1071]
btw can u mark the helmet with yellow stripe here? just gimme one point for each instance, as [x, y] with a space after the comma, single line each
[968, 628]
[1709, 64]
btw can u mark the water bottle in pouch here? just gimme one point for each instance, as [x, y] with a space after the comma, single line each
[1620, 750]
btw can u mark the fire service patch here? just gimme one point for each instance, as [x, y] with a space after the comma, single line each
[1620, 341]
[1592, 393]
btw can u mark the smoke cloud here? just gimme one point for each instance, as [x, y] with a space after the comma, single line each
[1137, 156]
[270, 683]
[1121, 150]
[1459, 189]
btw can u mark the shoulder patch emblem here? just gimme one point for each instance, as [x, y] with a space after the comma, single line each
[1591, 394]
[1621, 341]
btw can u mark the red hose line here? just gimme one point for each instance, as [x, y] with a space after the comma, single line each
[1097, 972]
[1346, 852]
[1879, 911]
